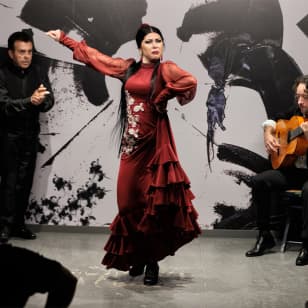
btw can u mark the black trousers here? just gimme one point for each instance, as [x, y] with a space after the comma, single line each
[272, 182]
[18, 157]
[24, 273]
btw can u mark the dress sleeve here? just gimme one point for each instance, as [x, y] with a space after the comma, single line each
[178, 83]
[114, 67]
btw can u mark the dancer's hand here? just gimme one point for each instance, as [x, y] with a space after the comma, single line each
[54, 34]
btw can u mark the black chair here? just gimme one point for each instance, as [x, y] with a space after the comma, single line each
[292, 201]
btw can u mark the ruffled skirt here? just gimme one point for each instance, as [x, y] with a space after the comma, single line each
[159, 216]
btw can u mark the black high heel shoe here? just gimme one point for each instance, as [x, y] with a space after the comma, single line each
[136, 270]
[151, 274]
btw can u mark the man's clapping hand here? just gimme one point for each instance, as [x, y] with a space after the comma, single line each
[38, 95]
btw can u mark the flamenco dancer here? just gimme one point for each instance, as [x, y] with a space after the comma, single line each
[156, 216]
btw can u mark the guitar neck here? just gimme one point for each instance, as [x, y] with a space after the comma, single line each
[292, 134]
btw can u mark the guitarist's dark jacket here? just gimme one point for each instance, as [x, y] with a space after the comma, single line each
[287, 115]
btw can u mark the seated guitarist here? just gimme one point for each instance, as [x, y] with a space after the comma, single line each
[294, 176]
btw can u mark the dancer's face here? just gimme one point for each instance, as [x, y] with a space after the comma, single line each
[151, 48]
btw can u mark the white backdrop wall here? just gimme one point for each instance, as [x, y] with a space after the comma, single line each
[75, 180]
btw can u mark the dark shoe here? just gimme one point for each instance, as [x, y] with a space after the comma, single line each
[24, 233]
[151, 274]
[265, 241]
[4, 234]
[302, 258]
[136, 270]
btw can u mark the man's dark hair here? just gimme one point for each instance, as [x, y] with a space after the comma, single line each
[25, 35]
[301, 79]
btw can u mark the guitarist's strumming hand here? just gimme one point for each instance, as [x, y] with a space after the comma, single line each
[304, 127]
[270, 141]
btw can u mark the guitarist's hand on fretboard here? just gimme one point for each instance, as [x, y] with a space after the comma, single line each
[304, 127]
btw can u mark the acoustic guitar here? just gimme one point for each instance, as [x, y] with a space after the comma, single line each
[292, 142]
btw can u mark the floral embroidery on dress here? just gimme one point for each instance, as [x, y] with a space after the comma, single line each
[131, 133]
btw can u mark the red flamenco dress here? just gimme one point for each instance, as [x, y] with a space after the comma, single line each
[156, 215]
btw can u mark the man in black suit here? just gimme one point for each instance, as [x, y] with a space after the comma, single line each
[25, 92]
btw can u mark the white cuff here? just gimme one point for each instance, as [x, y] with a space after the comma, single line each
[271, 123]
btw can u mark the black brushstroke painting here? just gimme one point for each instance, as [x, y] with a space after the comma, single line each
[303, 25]
[93, 20]
[78, 207]
[245, 50]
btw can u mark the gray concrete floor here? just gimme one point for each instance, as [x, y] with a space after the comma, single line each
[210, 272]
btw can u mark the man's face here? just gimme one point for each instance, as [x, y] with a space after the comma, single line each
[22, 54]
[301, 97]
